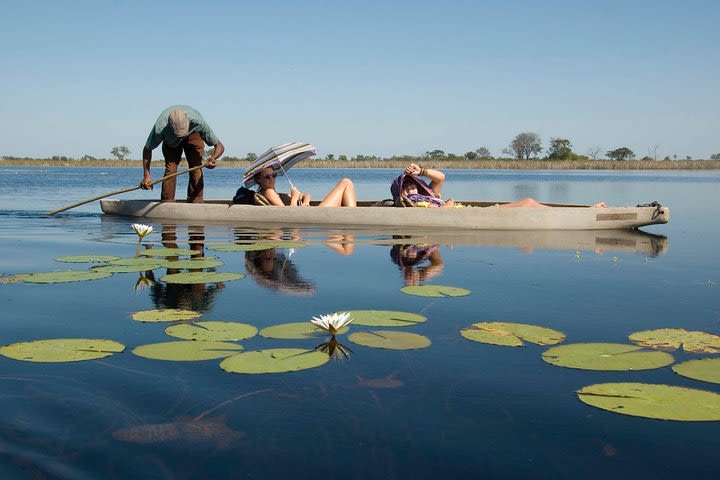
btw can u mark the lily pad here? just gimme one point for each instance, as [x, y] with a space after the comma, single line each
[435, 291]
[606, 356]
[385, 318]
[126, 268]
[201, 277]
[276, 360]
[662, 402]
[670, 339]
[86, 258]
[62, 350]
[212, 331]
[164, 315]
[169, 252]
[296, 330]
[187, 350]
[237, 247]
[7, 279]
[141, 262]
[65, 276]
[390, 340]
[193, 263]
[705, 369]
[511, 334]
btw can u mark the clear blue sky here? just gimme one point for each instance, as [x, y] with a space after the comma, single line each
[362, 77]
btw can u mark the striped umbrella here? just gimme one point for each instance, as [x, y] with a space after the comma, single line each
[280, 158]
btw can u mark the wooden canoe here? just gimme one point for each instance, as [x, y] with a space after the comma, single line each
[476, 216]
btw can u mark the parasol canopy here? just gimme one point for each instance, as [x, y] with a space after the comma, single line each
[280, 158]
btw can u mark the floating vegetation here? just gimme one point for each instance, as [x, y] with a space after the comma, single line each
[606, 356]
[276, 360]
[64, 276]
[332, 322]
[169, 252]
[663, 402]
[511, 334]
[705, 369]
[184, 429]
[201, 277]
[126, 268]
[142, 230]
[236, 247]
[670, 339]
[390, 340]
[435, 291]
[62, 350]
[7, 279]
[386, 318]
[87, 258]
[194, 263]
[296, 330]
[212, 331]
[187, 350]
[150, 263]
[164, 315]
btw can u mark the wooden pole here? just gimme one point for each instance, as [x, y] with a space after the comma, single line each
[124, 190]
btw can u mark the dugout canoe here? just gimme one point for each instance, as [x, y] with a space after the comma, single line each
[475, 216]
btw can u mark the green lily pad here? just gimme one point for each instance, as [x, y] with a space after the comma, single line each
[705, 369]
[276, 360]
[141, 262]
[169, 252]
[126, 268]
[193, 263]
[187, 350]
[65, 276]
[296, 330]
[212, 331]
[201, 277]
[86, 258]
[511, 334]
[385, 318]
[662, 402]
[7, 279]
[670, 339]
[62, 350]
[606, 356]
[435, 291]
[164, 315]
[237, 247]
[390, 340]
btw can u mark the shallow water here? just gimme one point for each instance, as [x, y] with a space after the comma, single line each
[455, 408]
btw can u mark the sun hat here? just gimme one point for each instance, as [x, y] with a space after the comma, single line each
[179, 123]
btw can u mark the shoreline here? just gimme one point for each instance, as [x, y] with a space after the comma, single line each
[395, 164]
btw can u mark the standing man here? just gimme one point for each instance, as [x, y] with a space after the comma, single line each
[180, 129]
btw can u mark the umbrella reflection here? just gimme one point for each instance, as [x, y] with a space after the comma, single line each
[272, 269]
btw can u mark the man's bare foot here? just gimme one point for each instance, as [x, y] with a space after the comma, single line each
[599, 205]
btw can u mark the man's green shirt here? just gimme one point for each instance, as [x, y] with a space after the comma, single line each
[162, 132]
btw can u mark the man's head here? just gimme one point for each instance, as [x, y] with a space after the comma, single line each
[179, 123]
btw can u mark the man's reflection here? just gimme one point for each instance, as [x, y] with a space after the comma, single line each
[198, 297]
[272, 268]
[418, 263]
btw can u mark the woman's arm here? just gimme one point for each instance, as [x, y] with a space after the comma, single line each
[272, 197]
[437, 178]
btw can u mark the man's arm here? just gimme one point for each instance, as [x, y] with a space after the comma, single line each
[217, 153]
[147, 178]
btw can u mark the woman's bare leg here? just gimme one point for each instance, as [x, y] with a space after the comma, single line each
[525, 202]
[343, 195]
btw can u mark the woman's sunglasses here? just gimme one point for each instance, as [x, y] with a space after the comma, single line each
[268, 176]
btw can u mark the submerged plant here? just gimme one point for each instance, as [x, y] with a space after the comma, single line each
[332, 322]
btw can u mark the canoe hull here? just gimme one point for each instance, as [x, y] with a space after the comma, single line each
[470, 218]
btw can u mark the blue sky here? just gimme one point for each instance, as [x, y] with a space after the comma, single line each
[371, 77]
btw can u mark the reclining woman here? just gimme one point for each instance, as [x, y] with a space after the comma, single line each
[409, 186]
[342, 195]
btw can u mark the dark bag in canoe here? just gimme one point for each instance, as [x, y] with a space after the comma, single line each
[244, 196]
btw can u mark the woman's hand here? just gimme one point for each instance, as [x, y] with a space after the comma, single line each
[294, 193]
[413, 169]
[305, 199]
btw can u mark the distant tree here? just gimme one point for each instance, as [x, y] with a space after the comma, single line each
[560, 149]
[688, 157]
[652, 152]
[483, 153]
[622, 153]
[674, 157]
[434, 154]
[594, 152]
[525, 144]
[250, 157]
[343, 158]
[88, 158]
[667, 157]
[330, 156]
[471, 155]
[715, 156]
[120, 152]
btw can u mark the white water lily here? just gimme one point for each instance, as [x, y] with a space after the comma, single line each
[332, 322]
[143, 282]
[142, 230]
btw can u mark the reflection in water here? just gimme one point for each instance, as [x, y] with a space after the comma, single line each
[417, 263]
[272, 268]
[198, 297]
[336, 351]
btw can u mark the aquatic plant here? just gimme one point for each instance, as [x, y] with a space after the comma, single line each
[511, 334]
[390, 340]
[275, 360]
[142, 230]
[332, 322]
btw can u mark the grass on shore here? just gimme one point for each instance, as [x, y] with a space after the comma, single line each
[502, 164]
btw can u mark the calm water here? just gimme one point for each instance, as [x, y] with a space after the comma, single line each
[455, 408]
